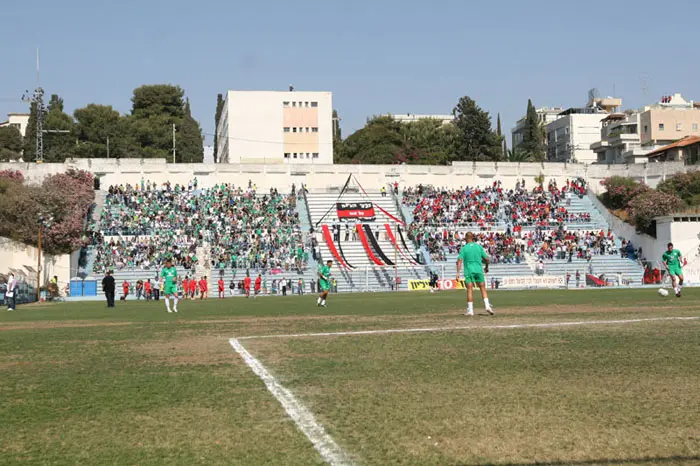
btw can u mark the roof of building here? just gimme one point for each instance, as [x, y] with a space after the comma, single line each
[615, 116]
[686, 141]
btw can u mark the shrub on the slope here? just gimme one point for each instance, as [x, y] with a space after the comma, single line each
[620, 191]
[645, 207]
[684, 185]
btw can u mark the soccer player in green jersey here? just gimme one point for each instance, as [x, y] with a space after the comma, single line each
[473, 256]
[324, 283]
[169, 284]
[672, 261]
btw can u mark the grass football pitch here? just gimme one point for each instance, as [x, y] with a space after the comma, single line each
[555, 378]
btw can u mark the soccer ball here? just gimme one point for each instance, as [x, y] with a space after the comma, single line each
[663, 292]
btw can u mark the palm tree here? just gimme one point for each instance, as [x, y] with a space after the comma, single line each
[517, 155]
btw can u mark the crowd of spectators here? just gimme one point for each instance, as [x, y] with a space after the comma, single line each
[482, 208]
[442, 217]
[143, 224]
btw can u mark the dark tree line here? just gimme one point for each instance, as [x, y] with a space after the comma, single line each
[99, 131]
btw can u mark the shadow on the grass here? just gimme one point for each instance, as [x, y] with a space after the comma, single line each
[603, 461]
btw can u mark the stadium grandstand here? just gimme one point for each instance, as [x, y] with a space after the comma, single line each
[378, 240]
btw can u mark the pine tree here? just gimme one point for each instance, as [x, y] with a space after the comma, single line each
[217, 117]
[500, 134]
[533, 143]
[30, 135]
[190, 145]
[475, 140]
[337, 137]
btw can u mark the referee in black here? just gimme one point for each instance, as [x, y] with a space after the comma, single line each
[108, 288]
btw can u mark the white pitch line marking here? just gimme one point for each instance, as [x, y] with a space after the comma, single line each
[468, 327]
[302, 417]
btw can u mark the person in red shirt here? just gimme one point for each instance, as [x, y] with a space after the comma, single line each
[246, 285]
[125, 289]
[221, 288]
[203, 288]
[258, 284]
[186, 287]
[147, 289]
[193, 288]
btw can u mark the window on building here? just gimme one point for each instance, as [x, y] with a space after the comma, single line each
[315, 155]
[295, 155]
[286, 155]
[294, 130]
[308, 155]
[314, 130]
[679, 126]
[661, 126]
[294, 104]
[285, 104]
[306, 104]
[695, 126]
[646, 129]
[314, 104]
[286, 129]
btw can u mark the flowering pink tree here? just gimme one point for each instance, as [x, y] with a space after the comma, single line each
[12, 175]
[620, 191]
[65, 198]
[645, 207]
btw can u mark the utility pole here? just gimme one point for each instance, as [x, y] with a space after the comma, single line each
[38, 266]
[173, 142]
[107, 147]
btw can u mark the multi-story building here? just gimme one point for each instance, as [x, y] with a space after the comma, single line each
[412, 117]
[669, 120]
[620, 140]
[570, 136]
[18, 120]
[632, 136]
[271, 127]
[545, 116]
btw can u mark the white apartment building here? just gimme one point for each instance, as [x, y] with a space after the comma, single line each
[18, 120]
[569, 138]
[545, 116]
[413, 117]
[273, 127]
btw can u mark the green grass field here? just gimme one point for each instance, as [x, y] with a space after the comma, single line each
[81, 384]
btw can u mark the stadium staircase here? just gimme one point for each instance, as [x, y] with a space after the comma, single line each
[608, 265]
[365, 274]
[91, 250]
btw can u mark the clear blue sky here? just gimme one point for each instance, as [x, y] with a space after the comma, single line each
[380, 56]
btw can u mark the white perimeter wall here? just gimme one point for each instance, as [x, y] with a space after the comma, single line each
[324, 177]
[17, 255]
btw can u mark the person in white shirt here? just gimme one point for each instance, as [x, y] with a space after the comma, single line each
[11, 293]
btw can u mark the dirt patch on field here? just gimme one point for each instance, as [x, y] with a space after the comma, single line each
[62, 324]
[187, 350]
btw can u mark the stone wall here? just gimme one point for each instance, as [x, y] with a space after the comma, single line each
[325, 177]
